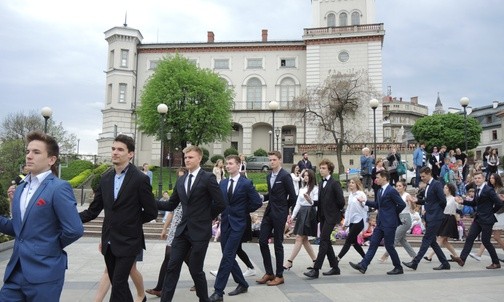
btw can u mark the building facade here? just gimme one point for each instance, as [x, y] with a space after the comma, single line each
[343, 37]
[399, 117]
[490, 119]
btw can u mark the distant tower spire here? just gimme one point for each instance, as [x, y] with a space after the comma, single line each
[126, 19]
[438, 109]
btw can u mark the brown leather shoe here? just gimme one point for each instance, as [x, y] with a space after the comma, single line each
[153, 292]
[494, 266]
[276, 281]
[458, 260]
[265, 279]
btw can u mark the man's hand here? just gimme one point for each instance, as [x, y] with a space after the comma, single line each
[10, 192]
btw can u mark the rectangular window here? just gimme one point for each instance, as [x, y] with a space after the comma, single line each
[288, 63]
[494, 135]
[122, 93]
[111, 59]
[124, 57]
[153, 64]
[194, 61]
[255, 63]
[109, 93]
[221, 64]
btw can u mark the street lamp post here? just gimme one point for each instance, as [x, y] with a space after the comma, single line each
[270, 140]
[169, 137]
[374, 104]
[46, 113]
[162, 109]
[277, 134]
[273, 106]
[464, 101]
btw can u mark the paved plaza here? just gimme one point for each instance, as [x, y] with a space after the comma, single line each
[470, 283]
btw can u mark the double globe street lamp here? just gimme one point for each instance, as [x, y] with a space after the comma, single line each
[373, 103]
[464, 102]
[46, 113]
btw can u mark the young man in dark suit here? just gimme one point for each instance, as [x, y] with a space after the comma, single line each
[125, 194]
[202, 201]
[487, 202]
[281, 196]
[434, 201]
[389, 204]
[330, 205]
[242, 199]
[44, 221]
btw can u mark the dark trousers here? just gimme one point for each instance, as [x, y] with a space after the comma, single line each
[276, 225]
[181, 247]
[429, 240]
[486, 234]
[244, 257]
[118, 269]
[354, 230]
[325, 247]
[394, 178]
[230, 241]
[388, 236]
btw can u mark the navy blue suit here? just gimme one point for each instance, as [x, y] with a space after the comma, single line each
[281, 197]
[487, 203]
[434, 203]
[244, 200]
[389, 204]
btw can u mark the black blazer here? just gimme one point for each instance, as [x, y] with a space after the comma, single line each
[487, 204]
[124, 217]
[331, 202]
[281, 196]
[203, 204]
[434, 201]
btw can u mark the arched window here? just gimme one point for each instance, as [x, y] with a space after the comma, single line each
[343, 19]
[287, 92]
[355, 18]
[331, 20]
[254, 93]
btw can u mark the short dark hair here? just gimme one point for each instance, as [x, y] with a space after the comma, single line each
[451, 187]
[426, 170]
[385, 174]
[235, 157]
[127, 140]
[329, 165]
[275, 153]
[305, 153]
[51, 146]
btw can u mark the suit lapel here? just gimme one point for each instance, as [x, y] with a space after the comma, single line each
[35, 198]
[194, 181]
[16, 211]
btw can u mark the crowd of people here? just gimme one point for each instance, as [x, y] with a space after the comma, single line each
[221, 204]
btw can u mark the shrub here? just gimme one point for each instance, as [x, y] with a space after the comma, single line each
[79, 179]
[4, 202]
[101, 169]
[230, 151]
[206, 155]
[216, 157]
[260, 152]
[75, 168]
[262, 187]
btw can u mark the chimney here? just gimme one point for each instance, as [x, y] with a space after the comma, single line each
[265, 35]
[414, 100]
[210, 37]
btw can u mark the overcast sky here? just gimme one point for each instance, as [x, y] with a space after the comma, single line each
[53, 52]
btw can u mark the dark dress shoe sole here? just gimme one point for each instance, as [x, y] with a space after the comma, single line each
[358, 267]
[441, 268]
[237, 291]
[331, 273]
[395, 272]
[493, 266]
[410, 265]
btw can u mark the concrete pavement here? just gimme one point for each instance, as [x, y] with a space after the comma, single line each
[471, 283]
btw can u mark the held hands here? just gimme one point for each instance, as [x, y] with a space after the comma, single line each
[10, 192]
[459, 199]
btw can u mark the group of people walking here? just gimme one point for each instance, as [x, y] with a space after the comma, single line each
[45, 220]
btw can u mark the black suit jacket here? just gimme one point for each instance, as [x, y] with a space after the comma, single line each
[281, 196]
[434, 201]
[124, 217]
[331, 202]
[203, 204]
[487, 204]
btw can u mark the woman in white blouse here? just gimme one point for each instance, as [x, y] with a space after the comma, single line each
[306, 217]
[405, 217]
[355, 216]
[296, 178]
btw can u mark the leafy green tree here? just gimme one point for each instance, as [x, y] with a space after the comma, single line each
[199, 103]
[230, 151]
[447, 129]
[260, 152]
[336, 107]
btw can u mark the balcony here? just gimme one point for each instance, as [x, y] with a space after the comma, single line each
[353, 29]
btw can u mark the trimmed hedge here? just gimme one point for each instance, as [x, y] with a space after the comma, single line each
[75, 168]
[79, 179]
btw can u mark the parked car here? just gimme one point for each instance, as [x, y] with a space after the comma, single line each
[258, 163]
[410, 175]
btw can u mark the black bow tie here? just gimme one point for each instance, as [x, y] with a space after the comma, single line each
[324, 179]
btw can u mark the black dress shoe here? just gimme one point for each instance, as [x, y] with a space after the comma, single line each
[427, 258]
[240, 289]
[442, 267]
[411, 265]
[332, 271]
[396, 271]
[313, 274]
[358, 267]
[215, 297]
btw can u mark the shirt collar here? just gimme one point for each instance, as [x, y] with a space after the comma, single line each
[384, 187]
[39, 178]
[235, 179]
[195, 172]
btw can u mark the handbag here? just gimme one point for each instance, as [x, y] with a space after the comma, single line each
[401, 169]
[392, 167]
